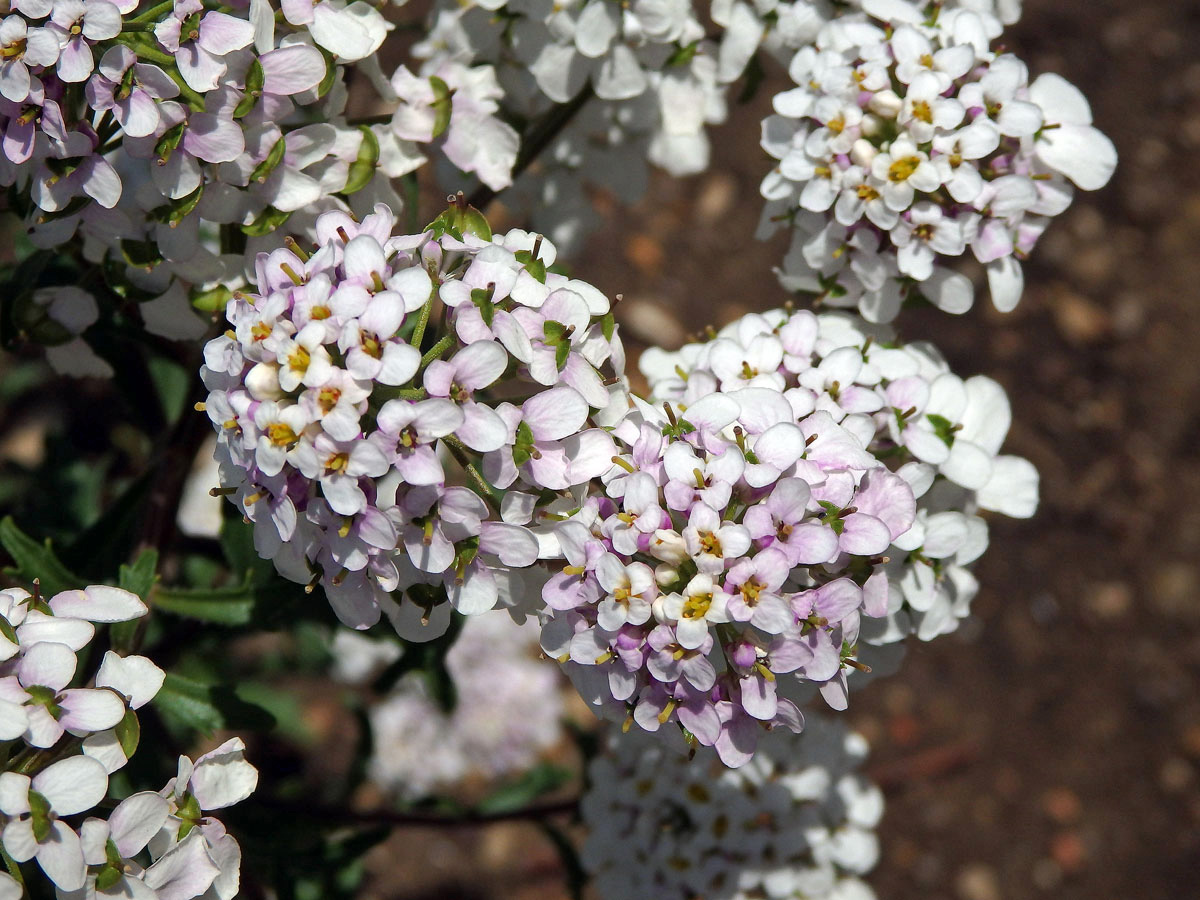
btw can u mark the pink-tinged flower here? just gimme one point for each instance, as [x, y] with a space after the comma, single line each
[712, 543]
[694, 610]
[20, 48]
[40, 684]
[753, 586]
[475, 367]
[78, 24]
[200, 41]
[130, 89]
[407, 432]
[67, 166]
[631, 590]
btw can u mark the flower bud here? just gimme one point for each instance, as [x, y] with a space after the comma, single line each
[262, 382]
[886, 104]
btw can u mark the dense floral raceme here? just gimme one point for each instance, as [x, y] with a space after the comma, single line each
[805, 486]
[507, 712]
[341, 434]
[909, 141]
[172, 141]
[74, 738]
[795, 824]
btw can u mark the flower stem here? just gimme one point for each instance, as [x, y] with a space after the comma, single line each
[537, 138]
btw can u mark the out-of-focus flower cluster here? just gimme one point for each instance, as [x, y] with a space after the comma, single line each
[507, 709]
[323, 389]
[61, 743]
[910, 141]
[797, 822]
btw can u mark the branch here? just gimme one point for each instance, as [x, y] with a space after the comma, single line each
[539, 136]
[398, 819]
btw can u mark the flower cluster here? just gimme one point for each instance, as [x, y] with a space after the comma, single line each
[909, 141]
[738, 540]
[798, 822]
[165, 137]
[507, 711]
[333, 417]
[187, 854]
[937, 432]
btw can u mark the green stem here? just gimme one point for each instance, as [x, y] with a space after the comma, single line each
[436, 351]
[460, 453]
[419, 332]
[137, 27]
[152, 13]
[411, 195]
[537, 138]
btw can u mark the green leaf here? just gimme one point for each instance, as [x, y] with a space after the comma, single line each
[541, 779]
[139, 578]
[174, 212]
[190, 705]
[112, 535]
[219, 606]
[172, 382]
[34, 560]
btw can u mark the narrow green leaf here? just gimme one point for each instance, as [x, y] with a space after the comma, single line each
[187, 704]
[34, 560]
[219, 606]
[541, 779]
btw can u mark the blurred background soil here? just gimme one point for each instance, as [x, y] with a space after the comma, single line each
[1051, 748]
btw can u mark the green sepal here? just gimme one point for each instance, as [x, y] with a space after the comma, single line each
[608, 325]
[534, 266]
[268, 220]
[362, 170]
[442, 105]
[331, 71]
[212, 300]
[831, 518]
[39, 808]
[128, 733]
[174, 212]
[189, 814]
[168, 143]
[140, 254]
[264, 169]
[108, 877]
[683, 55]
[33, 319]
[523, 446]
[943, 428]
[482, 298]
[255, 78]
